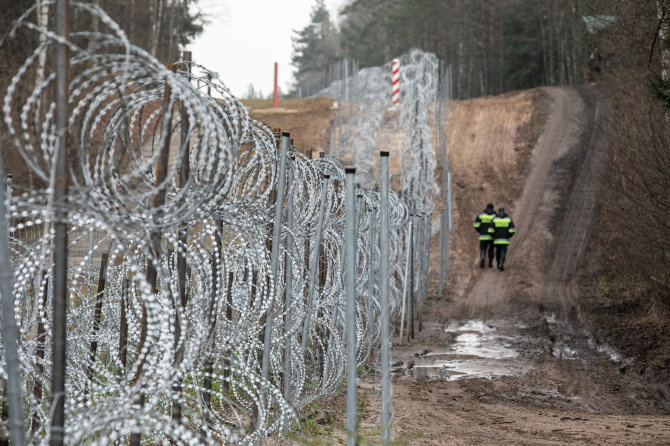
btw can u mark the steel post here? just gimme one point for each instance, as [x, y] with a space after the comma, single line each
[350, 293]
[371, 277]
[410, 296]
[421, 259]
[288, 301]
[384, 279]
[274, 254]
[10, 331]
[450, 200]
[182, 238]
[314, 263]
[60, 226]
[9, 198]
[444, 235]
[405, 287]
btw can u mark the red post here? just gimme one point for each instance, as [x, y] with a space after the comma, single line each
[276, 93]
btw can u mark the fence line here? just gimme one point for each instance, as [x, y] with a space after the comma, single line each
[253, 328]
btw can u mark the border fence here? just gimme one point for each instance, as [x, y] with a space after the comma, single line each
[217, 280]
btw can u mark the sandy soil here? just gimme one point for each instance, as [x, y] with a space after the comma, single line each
[502, 358]
[507, 357]
[308, 120]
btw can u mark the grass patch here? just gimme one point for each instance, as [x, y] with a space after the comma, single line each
[538, 118]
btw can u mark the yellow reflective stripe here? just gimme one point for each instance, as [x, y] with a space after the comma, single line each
[485, 237]
[501, 241]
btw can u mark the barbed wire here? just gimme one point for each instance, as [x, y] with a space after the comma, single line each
[180, 187]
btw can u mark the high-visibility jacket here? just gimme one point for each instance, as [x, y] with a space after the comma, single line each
[483, 223]
[502, 229]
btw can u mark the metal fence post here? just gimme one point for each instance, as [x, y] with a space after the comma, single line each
[288, 301]
[421, 237]
[450, 199]
[350, 293]
[406, 288]
[10, 331]
[274, 255]
[410, 297]
[314, 263]
[60, 225]
[182, 238]
[444, 237]
[371, 276]
[384, 278]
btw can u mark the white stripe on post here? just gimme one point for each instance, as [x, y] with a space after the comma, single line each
[395, 95]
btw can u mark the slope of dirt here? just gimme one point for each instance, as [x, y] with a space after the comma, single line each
[308, 120]
[502, 359]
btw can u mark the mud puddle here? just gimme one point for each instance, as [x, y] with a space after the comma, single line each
[488, 349]
[477, 349]
[569, 342]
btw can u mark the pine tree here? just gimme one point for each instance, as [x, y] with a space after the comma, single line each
[316, 46]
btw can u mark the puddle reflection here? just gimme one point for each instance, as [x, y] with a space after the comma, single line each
[479, 350]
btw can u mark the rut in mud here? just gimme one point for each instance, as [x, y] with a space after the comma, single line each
[502, 357]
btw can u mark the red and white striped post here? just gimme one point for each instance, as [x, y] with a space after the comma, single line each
[276, 92]
[395, 94]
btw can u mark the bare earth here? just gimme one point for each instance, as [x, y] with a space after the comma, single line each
[503, 357]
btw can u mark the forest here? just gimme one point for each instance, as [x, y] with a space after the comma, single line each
[162, 27]
[492, 46]
[621, 47]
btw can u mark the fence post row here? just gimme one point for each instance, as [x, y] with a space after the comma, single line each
[280, 346]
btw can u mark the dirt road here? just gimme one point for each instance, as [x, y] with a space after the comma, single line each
[503, 357]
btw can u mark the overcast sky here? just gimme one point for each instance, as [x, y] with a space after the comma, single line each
[244, 38]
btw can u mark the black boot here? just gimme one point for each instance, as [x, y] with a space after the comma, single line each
[490, 263]
[481, 264]
[502, 268]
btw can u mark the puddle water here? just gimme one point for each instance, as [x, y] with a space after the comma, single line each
[487, 349]
[479, 349]
[565, 345]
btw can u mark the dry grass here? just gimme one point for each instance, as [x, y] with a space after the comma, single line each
[308, 120]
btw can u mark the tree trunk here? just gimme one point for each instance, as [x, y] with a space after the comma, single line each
[460, 70]
[563, 53]
[156, 26]
[543, 36]
[131, 21]
[663, 33]
[552, 70]
[576, 42]
[170, 56]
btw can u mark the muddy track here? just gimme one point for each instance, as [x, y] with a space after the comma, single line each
[506, 361]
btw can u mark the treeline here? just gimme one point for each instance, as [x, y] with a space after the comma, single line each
[492, 45]
[634, 220]
[160, 27]
[630, 250]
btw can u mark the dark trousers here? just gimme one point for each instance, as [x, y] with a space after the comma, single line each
[501, 253]
[483, 246]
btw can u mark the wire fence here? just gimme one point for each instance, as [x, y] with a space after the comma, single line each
[206, 289]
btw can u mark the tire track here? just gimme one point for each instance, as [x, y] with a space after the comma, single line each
[561, 133]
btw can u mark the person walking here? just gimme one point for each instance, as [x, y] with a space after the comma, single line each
[482, 225]
[502, 229]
